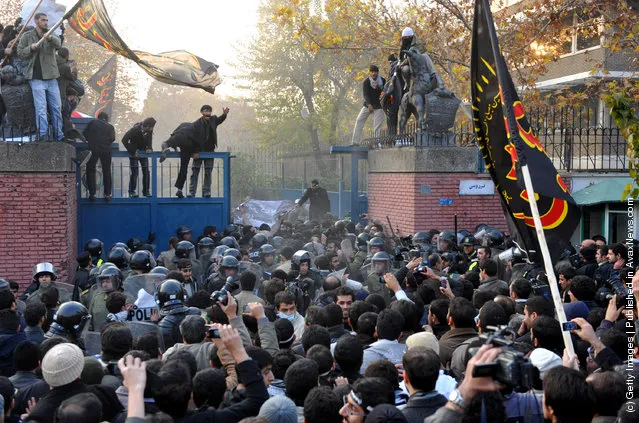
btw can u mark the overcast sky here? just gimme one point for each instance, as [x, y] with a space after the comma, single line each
[208, 29]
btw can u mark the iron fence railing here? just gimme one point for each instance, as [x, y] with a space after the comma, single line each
[575, 139]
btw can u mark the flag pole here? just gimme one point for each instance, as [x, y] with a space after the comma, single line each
[50, 31]
[550, 273]
[24, 26]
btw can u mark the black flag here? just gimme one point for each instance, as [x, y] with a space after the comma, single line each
[507, 142]
[103, 82]
[90, 19]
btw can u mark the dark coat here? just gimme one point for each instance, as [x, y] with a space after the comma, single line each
[371, 95]
[423, 404]
[68, 74]
[100, 134]
[9, 340]
[206, 133]
[135, 139]
[45, 409]
[451, 340]
[319, 202]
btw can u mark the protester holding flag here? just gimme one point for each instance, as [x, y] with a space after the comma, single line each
[42, 75]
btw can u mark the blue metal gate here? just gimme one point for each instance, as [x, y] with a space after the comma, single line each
[124, 217]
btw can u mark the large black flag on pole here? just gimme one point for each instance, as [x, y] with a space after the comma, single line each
[103, 82]
[507, 143]
[544, 213]
[90, 19]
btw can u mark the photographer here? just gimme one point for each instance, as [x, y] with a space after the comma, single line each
[453, 411]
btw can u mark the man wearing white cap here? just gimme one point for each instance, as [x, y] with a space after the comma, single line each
[61, 369]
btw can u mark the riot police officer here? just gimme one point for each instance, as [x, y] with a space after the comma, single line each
[120, 257]
[110, 279]
[186, 250]
[375, 282]
[229, 267]
[170, 299]
[256, 243]
[141, 262]
[205, 248]
[69, 322]
[447, 242]
[267, 258]
[301, 264]
[469, 255]
[94, 247]
[184, 233]
[44, 275]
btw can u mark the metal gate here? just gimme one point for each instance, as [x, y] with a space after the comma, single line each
[124, 217]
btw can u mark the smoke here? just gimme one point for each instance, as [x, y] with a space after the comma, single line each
[54, 12]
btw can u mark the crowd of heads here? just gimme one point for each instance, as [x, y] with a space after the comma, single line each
[320, 321]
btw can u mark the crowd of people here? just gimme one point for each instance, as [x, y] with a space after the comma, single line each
[40, 86]
[321, 321]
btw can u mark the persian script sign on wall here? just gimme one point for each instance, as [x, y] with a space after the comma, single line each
[476, 187]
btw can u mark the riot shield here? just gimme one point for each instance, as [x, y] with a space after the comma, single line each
[65, 290]
[149, 282]
[92, 343]
[256, 269]
[140, 328]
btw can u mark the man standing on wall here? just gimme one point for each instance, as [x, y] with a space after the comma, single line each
[140, 137]
[372, 89]
[205, 129]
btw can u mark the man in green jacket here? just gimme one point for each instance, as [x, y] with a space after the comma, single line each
[42, 75]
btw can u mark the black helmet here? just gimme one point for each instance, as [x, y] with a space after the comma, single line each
[277, 242]
[93, 276]
[421, 238]
[112, 273]
[230, 242]
[120, 257]
[481, 227]
[134, 243]
[142, 260]
[468, 241]
[266, 249]
[121, 244]
[183, 249]
[258, 240]
[314, 248]
[362, 239]
[382, 256]
[183, 230]
[171, 292]
[159, 270]
[230, 230]
[494, 238]
[71, 318]
[340, 225]
[233, 252]
[94, 247]
[377, 242]
[205, 243]
[228, 262]
[300, 257]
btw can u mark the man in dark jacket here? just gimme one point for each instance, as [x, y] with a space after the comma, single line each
[100, 134]
[318, 197]
[421, 370]
[185, 138]
[206, 131]
[10, 337]
[372, 90]
[61, 368]
[140, 137]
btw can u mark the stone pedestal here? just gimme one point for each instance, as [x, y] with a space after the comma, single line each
[38, 209]
[419, 189]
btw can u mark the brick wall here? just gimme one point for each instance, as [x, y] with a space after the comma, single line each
[37, 223]
[399, 196]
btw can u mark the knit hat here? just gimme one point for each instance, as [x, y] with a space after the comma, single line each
[423, 339]
[544, 360]
[62, 364]
[92, 373]
[576, 309]
[279, 409]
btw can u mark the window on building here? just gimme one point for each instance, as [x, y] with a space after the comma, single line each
[582, 31]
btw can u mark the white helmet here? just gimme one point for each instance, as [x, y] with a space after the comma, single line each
[297, 201]
[44, 267]
[408, 32]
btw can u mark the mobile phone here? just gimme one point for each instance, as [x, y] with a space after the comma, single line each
[213, 333]
[246, 309]
[568, 326]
